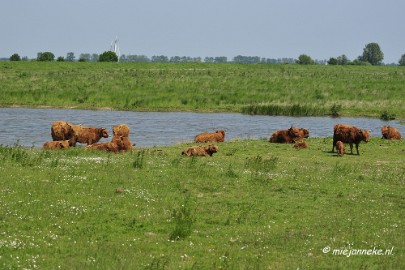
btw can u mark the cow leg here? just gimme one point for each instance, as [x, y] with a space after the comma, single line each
[357, 148]
[333, 146]
[351, 148]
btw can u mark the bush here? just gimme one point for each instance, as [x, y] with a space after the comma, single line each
[15, 57]
[108, 56]
[45, 57]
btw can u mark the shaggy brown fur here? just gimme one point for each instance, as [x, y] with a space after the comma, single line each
[121, 130]
[62, 130]
[340, 148]
[300, 145]
[303, 133]
[349, 134]
[390, 133]
[218, 136]
[61, 144]
[124, 142]
[290, 135]
[90, 135]
[113, 146]
[206, 151]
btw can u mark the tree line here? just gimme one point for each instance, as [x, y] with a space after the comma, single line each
[372, 55]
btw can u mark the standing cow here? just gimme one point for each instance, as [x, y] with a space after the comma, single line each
[349, 134]
[62, 130]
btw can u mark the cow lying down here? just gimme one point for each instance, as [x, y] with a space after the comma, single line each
[61, 144]
[217, 136]
[203, 151]
[117, 144]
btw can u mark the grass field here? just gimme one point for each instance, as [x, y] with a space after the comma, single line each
[252, 89]
[253, 205]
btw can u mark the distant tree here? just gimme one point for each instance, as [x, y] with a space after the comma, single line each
[401, 61]
[160, 58]
[246, 59]
[94, 57]
[70, 57]
[343, 60]
[134, 58]
[15, 57]
[84, 57]
[332, 61]
[209, 59]
[372, 54]
[60, 59]
[220, 59]
[175, 59]
[359, 62]
[340, 60]
[108, 56]
[45, 57]
[304, 59]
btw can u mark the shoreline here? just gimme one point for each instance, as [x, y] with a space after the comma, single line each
[400, 119]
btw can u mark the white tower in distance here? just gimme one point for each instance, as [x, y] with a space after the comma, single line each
[114, 48]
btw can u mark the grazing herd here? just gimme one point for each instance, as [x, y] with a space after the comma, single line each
[65, 135]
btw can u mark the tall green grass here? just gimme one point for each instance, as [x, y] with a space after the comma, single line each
[264, 89]
[252, 205]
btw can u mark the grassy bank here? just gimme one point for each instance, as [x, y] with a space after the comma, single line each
[253, 89]
[253, 205]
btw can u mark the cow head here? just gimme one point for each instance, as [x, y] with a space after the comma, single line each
[61, 145]
[103, 133]
[210, 149]
[294, 132]
[304, 133]
[365, 135]
[222, 132]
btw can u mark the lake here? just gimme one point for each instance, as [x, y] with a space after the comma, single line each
[32, 127]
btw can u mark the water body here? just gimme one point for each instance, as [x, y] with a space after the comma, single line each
[32, 127]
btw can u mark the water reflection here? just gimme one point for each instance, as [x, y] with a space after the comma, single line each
[31, 127]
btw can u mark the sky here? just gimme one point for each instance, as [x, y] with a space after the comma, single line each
[204, 28]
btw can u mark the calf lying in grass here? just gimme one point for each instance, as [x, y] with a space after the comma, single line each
[206, 151]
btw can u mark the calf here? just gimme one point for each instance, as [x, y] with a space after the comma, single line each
[300, 145]
[206, 151]
[61, 144]
[340, 148]
[123, 142]
[114, 146]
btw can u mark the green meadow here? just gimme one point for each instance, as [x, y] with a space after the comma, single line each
[252, 89]
[253, 205]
